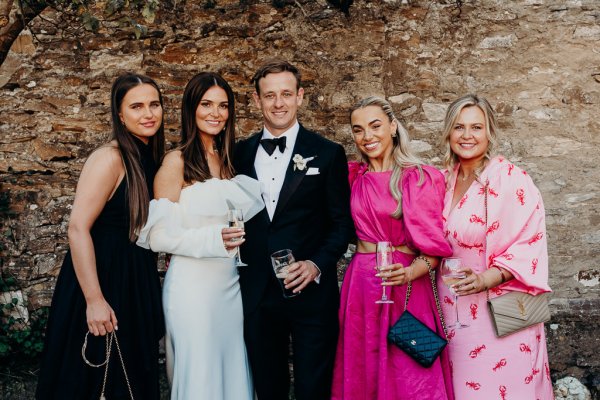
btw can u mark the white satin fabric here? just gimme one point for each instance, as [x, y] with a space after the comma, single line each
[206, 355]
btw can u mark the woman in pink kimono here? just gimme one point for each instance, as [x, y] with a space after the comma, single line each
[397, 199]
[484, 366]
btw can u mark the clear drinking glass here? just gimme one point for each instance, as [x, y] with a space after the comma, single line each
[450, 275]
[281, 261]
[384, 258]
[236, 220]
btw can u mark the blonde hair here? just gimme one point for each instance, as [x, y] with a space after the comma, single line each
[452, 113]
[402, 154]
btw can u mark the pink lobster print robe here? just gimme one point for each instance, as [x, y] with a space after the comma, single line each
[483, 366]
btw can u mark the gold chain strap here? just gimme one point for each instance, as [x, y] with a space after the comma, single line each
[109, 340]
[435, 292]
[485, 200]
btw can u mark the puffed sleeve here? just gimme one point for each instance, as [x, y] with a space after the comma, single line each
[422, 206]
[164, 232]
[516, 229]
[355, 169]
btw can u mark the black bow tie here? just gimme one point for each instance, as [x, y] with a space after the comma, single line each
[271, 144]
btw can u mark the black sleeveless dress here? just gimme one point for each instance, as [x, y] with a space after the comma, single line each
[130, 284]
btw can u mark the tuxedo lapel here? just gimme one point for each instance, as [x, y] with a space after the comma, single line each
[250, 155]
[293, 178]
[246, 164]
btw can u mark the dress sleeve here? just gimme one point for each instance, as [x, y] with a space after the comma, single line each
[422, 206]
[248, 198]
[164, 232]
[516, 229]
[355, 169]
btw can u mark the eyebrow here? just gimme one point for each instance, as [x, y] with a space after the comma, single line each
[278, 91]
[213, 101]
[142, 102]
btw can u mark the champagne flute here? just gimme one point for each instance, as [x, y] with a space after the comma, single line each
[450, 276]
[384, 258]
[236, 220]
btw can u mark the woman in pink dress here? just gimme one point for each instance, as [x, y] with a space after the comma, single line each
[394, 198]
[484, 366]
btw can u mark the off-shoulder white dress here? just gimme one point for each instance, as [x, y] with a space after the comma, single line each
[206, 355]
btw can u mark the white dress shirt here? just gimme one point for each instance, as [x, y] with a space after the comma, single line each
[271, 169]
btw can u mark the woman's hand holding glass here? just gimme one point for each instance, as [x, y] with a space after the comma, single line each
[452, 272]
[395, 274]
[473, 283]
[383, 258]
[235, 217]
[232, 237]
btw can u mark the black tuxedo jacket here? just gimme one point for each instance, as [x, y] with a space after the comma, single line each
[312, 219]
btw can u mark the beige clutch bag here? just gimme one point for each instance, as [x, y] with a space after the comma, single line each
[514, 311]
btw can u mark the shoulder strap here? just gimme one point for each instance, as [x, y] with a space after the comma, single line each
[485, 204]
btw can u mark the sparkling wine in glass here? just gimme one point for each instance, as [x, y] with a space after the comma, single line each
[236, 220]
[450, 276]
[384, 258]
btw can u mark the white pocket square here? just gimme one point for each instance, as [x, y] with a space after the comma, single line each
[313, 171]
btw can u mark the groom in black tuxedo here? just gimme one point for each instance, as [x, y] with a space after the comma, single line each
[305, 188]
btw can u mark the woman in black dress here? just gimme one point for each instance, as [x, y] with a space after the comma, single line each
[107, 283]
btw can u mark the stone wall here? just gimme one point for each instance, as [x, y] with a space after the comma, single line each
[537, 61]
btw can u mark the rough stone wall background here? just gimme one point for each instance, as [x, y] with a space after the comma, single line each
[537, 61]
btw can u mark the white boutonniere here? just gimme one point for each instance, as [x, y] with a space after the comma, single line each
[300, 162]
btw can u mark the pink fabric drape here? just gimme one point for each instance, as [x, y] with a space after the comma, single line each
[368, 367]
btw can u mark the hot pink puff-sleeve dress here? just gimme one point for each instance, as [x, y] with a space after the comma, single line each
[367, 367]
[484, 366]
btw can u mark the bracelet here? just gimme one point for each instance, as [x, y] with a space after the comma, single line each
[501, 274]
[424, 259]
[409, 273]
[411, 266]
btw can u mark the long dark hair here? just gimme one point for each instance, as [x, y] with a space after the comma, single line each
[194, 154]
[137, 189]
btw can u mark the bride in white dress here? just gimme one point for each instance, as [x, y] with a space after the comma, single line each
[194, 188]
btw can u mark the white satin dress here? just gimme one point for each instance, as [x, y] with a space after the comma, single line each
[206, 355]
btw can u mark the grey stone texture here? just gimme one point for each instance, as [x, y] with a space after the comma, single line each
[538, 62]
[570, 388]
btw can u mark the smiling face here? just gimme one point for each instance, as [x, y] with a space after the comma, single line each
[279, 100]
[469, 136]
[212, 112]
[372, 132]
[141, 112]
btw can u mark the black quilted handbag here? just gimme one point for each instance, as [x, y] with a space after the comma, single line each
[414, 337]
